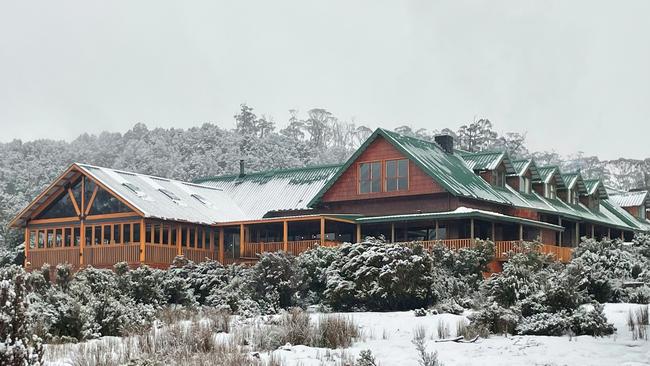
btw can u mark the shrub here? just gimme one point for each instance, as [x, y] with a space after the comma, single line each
[366, 359]
[18, 347]
[313, 265]
[549, 324]
[591, 321]
[336, 331]
[378, 276]
[274, 281]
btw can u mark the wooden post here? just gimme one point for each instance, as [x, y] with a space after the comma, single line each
[143, 232]
[358, 233]
[285, 235]
[471, 229]
[521, 232]
[559, 222]
[212, 248]
[82, 241]
[609, 233]
[221, 245]
[179, 237]
[494, 232]
[322, 231]
[593, 234]
[392, 232]
[27, 246]
[242, 239]
[622, 235]
[437, 228]
[577, 233]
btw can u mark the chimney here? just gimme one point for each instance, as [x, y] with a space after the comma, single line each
[446, 142]
[241, 168]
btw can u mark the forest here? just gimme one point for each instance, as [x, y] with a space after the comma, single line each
[312, 138]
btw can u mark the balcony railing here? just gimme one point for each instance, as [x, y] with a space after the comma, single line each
[501, 248]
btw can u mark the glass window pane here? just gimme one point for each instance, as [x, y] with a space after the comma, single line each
[391, 184]
[67, 237]
[403, 168]
[376, 170]
[156, 233]
[61, 207]
[391, 168]
[165, 234]
[136, 233]
[364, 171]
[126, 233]
[116, 234]
[192, 236]
[148, 237]
[77, 236]
[107, 234]
[174, 234]
[89, 235]
[402, 184]
[376, 185]
[184, 236]
[105, 203]
[58, 237]
[364, 187]
[98, 235]
[200, 238]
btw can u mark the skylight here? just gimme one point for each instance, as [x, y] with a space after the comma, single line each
[135, 189]
[200, 198]
[172, 196]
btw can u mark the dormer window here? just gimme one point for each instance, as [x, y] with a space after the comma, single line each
[499, 177]
[370, 177]
[397, 175]
[550, 191]
[642, 212]
[524, 185]
[572, 196]
[172, 196]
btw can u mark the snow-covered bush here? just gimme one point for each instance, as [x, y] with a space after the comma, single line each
[314, 264]
[18, 345]
[495, 318]
[274, 281]
[590, 320]
[551, 324]
[374, 275]
[176, 283]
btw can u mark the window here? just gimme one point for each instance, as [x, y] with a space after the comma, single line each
[550, 191]
[574, 197]
[499, 178]
[105, 203]
[126, 233]
[200, 198]
[98, 235]
[133, 188]
[136, 233]
[172, 196]
[116, 234]
[397, 175]
[524, 185]
[642, 213]
[370, 177]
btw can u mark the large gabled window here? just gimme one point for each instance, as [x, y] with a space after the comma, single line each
[370, 177]
[397, 175]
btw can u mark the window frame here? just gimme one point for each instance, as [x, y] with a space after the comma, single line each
[359, 178]
[396, 177]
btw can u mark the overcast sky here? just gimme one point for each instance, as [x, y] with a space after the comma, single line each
[575, 75]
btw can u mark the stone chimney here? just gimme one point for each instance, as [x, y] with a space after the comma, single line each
[242, 171]
[446, 142]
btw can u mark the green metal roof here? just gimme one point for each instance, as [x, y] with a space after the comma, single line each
[547, 172]
[461, 212]
[571, 179]
[596, 185]
[522, 165]
[487, 160]
[276, 190]
[630, 199]
[449, 170]
[620, 215]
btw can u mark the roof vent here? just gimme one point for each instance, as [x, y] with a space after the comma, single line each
[446, 142]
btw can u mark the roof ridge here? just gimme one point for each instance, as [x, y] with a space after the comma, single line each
[264, 172]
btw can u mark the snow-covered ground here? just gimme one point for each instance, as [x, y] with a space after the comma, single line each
[389, 336]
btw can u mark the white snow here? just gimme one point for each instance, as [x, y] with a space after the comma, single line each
[389, 335]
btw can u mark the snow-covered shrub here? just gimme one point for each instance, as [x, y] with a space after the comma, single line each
[639, 295]
[235, 294]
[366, 359]
[204, 276]
[550, 324]
[517, 281]
[313, 282]
[12, 255]
[604, 266]
[143, 284]
[642, 244]
[18, 345]
[176, 284]
[374, 275]
[274, 281]
[590, 320]
[495, 318]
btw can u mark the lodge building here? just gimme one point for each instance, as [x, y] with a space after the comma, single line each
[402, 188]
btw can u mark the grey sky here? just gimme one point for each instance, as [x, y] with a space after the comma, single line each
[574, 74]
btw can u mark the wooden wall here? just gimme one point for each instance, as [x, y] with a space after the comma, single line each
[346, 187]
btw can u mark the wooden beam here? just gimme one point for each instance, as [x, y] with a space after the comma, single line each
[593, 231]
[82, 244]
[322, 231]
[392, 232]
[285, 235]
[437, 229]
[222, 238]
[179, 236]
[91, 200]
[358, 233]
[494, 232]
[143, 229]
[83, 197]
[242, 239]
[559, 222]
[577, 233]
[471, 229]
[521, 232]
[609, 233]
[26, 247]
[211, 239]
[74, 202]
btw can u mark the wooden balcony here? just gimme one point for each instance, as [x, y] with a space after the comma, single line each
[501, 249]
[253, 250]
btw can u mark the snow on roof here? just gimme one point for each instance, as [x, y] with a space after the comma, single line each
[277, 190]
[167, 199]
[488, 160]
[630, 199]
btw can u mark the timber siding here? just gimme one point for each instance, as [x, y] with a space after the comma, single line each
[346, 187]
